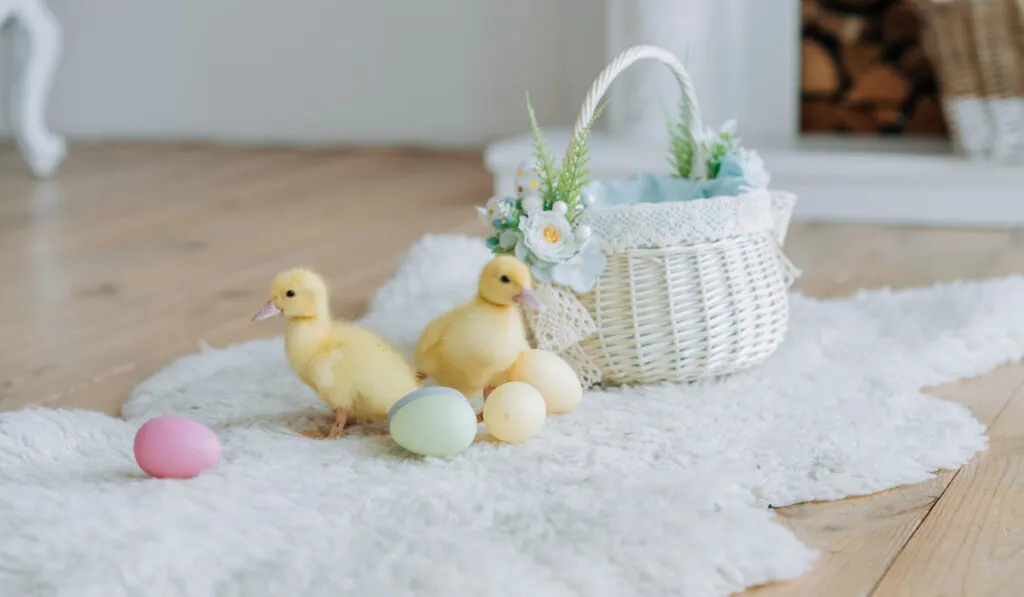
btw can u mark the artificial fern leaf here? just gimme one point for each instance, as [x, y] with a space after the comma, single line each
[545, 161]
[681, 146]
[575, 175]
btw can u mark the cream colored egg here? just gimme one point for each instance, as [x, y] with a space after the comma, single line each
[553, 377]
[514, 412]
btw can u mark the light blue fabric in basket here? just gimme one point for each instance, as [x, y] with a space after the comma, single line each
[645, 188]
[732, 180]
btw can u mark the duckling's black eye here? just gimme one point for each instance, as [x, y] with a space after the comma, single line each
[505, 280]
[290, 293]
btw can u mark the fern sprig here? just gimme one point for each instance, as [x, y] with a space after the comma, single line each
[723, 144]
[564, 184]
[575, 174]
[681, 146]
[545, 161]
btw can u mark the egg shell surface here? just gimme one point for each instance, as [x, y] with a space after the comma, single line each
[175, 447]
[527, 180]
[551, 376]
[434, 421]
[514, 412]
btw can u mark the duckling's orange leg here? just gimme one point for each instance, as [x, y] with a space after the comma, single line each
[496, 380]
[341, 421]
[340, 418]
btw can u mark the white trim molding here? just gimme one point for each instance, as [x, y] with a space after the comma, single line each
[748, 69]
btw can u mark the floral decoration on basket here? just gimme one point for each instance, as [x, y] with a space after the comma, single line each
[540, 223]
[634, 271]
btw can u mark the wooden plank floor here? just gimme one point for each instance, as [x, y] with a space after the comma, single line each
[135, 253]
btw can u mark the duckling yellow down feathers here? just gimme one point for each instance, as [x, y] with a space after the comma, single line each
[354, 371]
[473, 345]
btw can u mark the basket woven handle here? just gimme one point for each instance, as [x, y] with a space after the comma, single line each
[689, 97]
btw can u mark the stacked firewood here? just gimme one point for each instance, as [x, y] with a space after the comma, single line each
[865, 70]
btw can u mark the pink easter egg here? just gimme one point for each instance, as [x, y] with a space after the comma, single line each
[175, 447]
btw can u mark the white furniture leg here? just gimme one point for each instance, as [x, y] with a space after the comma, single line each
[37, 49]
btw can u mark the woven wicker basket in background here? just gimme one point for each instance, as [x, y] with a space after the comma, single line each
[977, 47]
[692, 289]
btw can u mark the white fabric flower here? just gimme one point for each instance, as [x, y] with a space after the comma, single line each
[711, 135]
[482, 213]
[497, 208]
[753, 169]
[532, 204]
[548, 236]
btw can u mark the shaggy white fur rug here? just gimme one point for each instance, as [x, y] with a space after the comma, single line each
[648, 491]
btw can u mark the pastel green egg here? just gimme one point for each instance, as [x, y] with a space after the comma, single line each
[433, 421]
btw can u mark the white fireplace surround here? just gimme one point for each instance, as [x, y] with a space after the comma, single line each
[744, 58]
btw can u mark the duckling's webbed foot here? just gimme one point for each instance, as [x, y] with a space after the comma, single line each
[340, 418]
[341, 421]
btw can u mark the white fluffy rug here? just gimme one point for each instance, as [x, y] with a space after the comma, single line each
[651, 491]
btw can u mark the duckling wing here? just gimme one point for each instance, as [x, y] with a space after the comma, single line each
[333, 390]
[428, 347]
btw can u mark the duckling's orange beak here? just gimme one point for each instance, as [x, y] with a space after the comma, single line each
[528, 298]
[269, 310]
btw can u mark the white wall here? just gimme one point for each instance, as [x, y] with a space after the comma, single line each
[423, 72]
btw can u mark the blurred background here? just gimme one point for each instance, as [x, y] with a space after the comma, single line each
[445, 73]
[821, 87]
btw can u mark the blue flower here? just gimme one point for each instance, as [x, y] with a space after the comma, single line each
[580, 272]
[522, 253]
[724, 187]
[509, 238]
[541, 271]
[745, 166]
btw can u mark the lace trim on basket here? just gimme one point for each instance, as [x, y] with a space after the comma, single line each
[658, 225]
[561, 327]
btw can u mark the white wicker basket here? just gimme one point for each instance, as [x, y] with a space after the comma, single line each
[692, 289]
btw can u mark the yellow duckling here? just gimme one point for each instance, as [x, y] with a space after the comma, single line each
[355, 372]
[471, 347]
